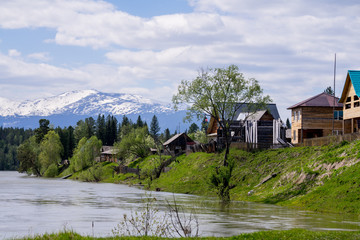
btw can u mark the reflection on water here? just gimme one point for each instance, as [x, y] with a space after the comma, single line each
[30, 205]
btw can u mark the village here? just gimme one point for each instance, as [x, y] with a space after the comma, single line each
[316, 121]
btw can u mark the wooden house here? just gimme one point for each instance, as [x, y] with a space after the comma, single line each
[351, 102]
[108, 154]
[178, 143]
[262, 129]
[318, 116]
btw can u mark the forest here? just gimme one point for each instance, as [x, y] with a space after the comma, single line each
[62, 143]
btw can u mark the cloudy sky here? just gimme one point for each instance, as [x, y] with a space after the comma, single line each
[48, 47]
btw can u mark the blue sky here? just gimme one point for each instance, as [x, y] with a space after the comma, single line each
[48, 47]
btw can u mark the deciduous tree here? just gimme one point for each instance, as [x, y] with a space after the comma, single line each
[220, 93]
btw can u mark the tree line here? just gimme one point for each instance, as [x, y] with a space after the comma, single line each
[48, 149]
[10, 139]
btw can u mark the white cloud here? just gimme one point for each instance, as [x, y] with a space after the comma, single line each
[287, 45]
[14, 53]
[40, 56]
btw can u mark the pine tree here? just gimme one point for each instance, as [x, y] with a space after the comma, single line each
[139, 122]
[167, 134]
[100, 128]
[154, 127]
[288, 125]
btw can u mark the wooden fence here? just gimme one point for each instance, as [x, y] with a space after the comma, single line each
[321, 141]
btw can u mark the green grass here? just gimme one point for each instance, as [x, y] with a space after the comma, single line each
[312, 178]
[294, 234]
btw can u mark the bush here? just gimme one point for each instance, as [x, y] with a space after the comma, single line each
[52, 171]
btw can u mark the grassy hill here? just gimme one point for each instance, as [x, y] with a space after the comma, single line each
[325, 179]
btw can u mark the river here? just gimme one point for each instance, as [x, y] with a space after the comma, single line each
[30, 205]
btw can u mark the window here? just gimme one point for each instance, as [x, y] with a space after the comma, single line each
[294, 113]
[294, 135]
[348, 99]
[348, 105]
[356, 98]
[356, 104]
[338, 115]
[298, 115]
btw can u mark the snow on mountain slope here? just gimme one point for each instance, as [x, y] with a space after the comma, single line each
[85, 102]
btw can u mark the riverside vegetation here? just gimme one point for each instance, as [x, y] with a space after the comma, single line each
[325, 179]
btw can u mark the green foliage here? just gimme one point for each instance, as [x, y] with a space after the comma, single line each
[92, 174]
[50, 151]
[220, 179]
[42, 130]
[154, 127]
[27, 154]
[329, 90]
[220, 93]
[193, 128]
[10, 139]
[85, 153]
[136, 143]
[293, 234]
[51, 171]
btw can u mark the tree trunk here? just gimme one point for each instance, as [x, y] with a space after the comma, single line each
[227, 146]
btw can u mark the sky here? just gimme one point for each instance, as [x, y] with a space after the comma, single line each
[145, 47]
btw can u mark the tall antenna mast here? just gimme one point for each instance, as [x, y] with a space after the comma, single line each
[334, 95]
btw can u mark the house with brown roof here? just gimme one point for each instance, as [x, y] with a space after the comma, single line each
[179, 143]
[318, 116]
[351, 102]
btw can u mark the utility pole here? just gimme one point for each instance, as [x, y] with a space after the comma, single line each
[333, 122]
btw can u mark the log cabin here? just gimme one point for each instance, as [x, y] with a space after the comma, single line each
[262, 128]
[178, 144]
[351, 102]
[318, 116]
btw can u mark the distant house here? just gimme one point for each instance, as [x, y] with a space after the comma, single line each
[351, 102]
[178, 143]
[108, 154]
[318, 116]
[263, 128]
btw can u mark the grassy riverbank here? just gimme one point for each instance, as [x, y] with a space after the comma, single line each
[325, 179]
[295, 234]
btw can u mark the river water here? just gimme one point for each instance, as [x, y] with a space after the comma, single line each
[30, 205]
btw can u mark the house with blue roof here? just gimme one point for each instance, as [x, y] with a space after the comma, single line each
[351, 102]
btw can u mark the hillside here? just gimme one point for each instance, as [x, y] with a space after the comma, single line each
[323, 179]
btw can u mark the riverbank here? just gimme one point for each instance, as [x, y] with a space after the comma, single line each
[324, 179]
[295, 234]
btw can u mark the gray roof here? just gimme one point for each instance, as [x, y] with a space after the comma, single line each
[175, 137]
[245, 108]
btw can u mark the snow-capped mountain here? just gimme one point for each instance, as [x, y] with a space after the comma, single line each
[85, 102]
[66, 109]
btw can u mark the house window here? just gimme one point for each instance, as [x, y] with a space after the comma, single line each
[356, 101]
[294, 135]
[348, 105]
[348, 99]
[338, 115]
[298, 115]
[294, 113]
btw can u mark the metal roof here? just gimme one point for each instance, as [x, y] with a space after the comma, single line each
[244, 109]
[320, 100]
[175, 137]
[353, 77]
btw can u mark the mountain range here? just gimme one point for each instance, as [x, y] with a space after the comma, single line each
[67, 108]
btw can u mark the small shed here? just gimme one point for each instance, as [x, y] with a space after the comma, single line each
[108, 154]
[178, 143]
